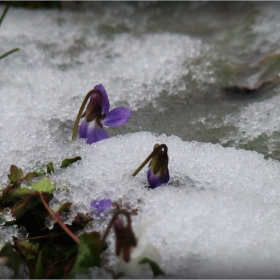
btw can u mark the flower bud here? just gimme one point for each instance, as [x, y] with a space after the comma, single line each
[158, 172]
[125, 239]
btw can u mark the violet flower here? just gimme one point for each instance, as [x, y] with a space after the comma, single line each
[101, 205]
[158, 172]
[97, 114]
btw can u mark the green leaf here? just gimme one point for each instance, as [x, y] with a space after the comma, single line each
[30, 252]
[19, 208]
[44, 185]
[8, 53]
[22, 191]
[16, 173]
[28, 249]
[88, 253]
[39, 268]
[11, 258]
[68, 161]
[31, 175]
[50, 168]
[30, 257]
[154, 266]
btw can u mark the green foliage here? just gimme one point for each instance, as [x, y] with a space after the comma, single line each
[68, 161]
[50, 168]
[46, 253]
[22, 191]
[55, 250]
[44, 185]
[29, 250]
[39, 268]
[88, 253]
[15, 173]
[154, 266]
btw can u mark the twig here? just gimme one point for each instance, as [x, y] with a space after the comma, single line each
[70, 233]
[41, 236]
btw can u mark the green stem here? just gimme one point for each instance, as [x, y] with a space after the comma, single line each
[66, 229]
[159, 147]
[8, 53]
[75, 129]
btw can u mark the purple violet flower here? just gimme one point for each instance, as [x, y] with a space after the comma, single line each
[158, 172]
[97, 114]
[101, 205]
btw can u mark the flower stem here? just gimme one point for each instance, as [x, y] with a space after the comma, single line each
[75, 129]
[122, 211]
[66, 229]
[159, 147]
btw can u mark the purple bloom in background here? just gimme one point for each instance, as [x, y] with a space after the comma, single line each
[158, 172]
[97, 114]
[101, 205]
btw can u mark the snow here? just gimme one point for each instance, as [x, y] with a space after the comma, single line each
[219, 214]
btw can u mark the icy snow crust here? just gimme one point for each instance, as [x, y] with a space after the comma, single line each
[217, 217]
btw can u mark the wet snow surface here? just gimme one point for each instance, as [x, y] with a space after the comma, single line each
[219, 214]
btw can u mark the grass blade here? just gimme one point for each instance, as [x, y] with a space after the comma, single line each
[5, 12]
[8, 53]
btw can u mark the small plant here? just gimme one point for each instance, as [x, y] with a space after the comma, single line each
[59, 250]
[158, 172]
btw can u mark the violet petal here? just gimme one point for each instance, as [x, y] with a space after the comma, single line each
[105, 100]
[95, 133]
[166, 177]
[83, 129]
[116, 117]
[156, 180]
[101, 205]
